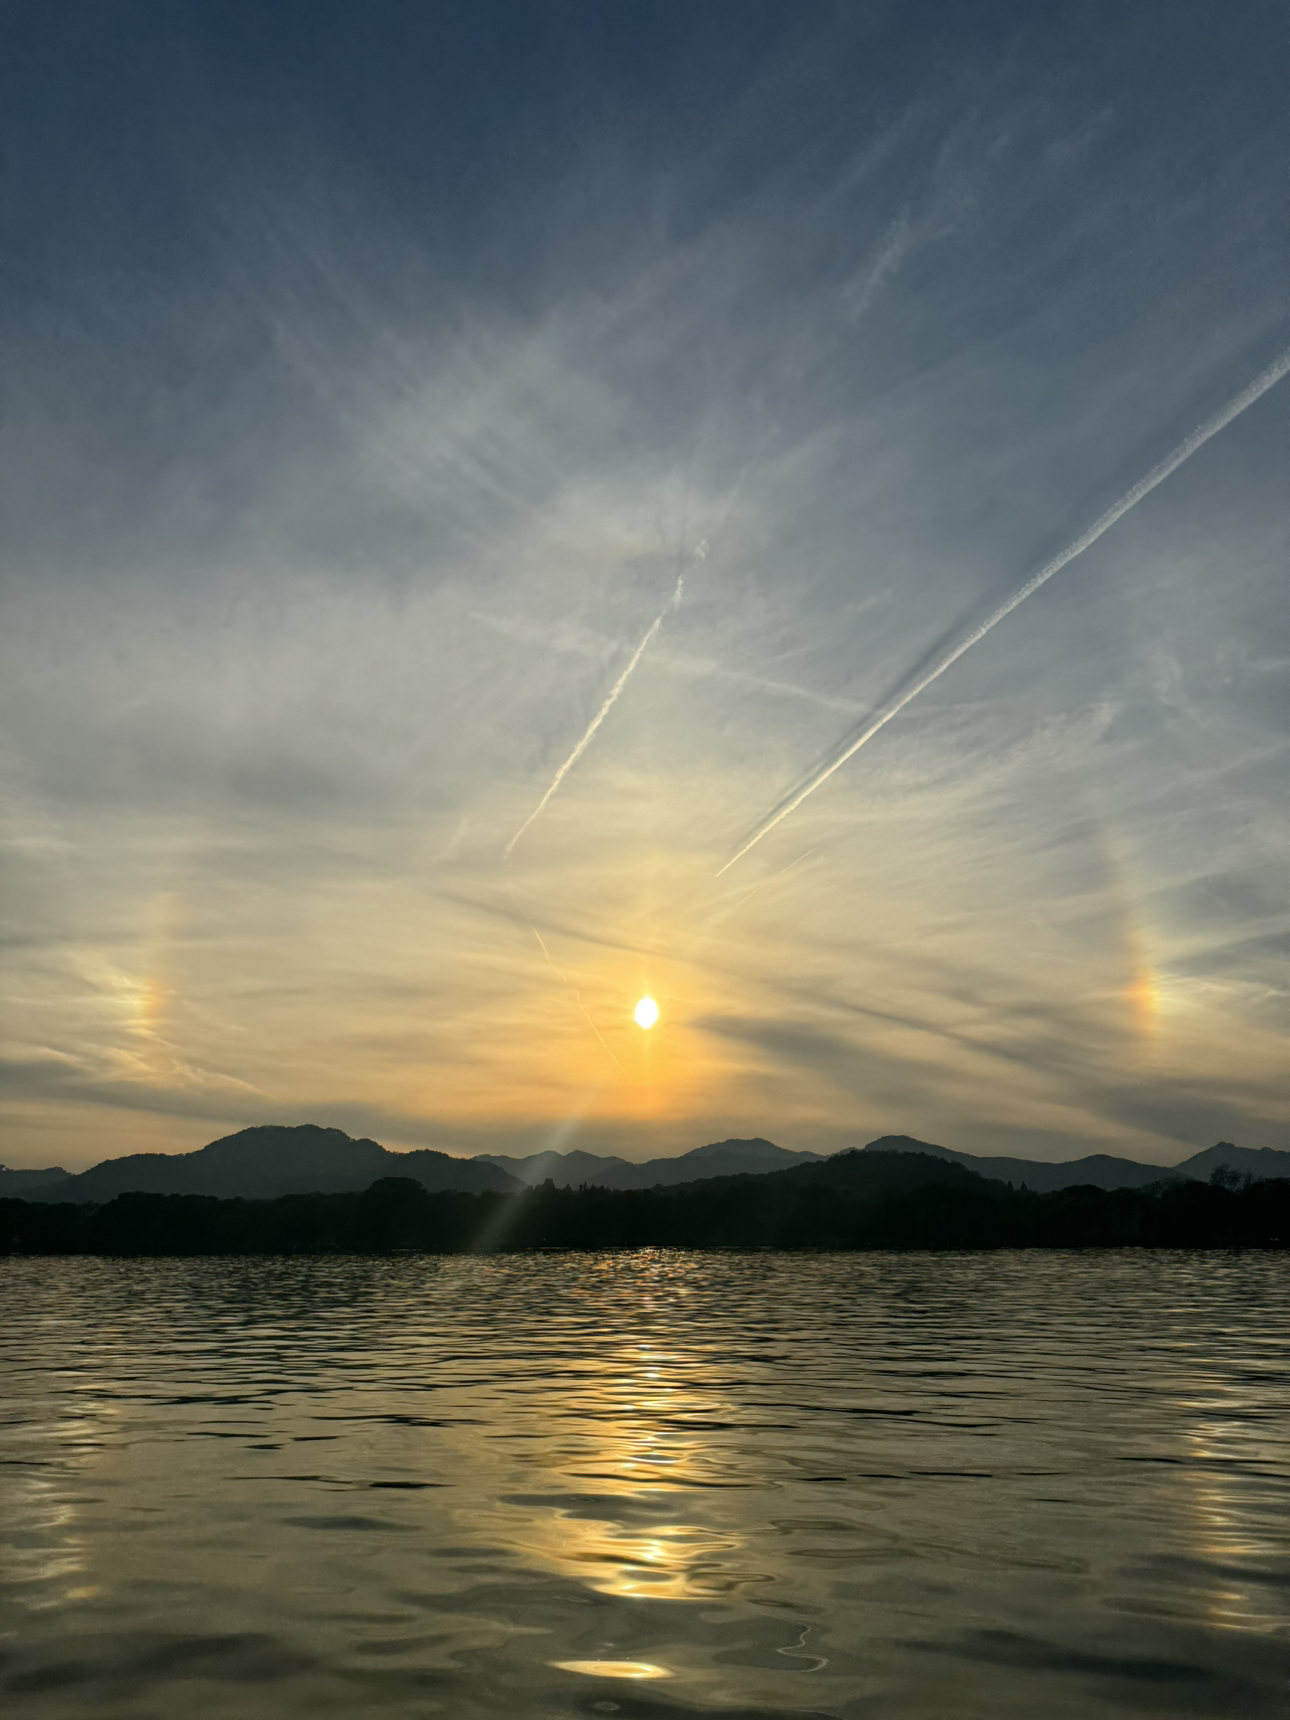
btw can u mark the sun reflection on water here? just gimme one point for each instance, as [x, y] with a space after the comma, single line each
[627, 1444]
[1231, 1466]
[612, 1668]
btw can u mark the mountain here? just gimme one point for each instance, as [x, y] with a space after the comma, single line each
[755, 1154]
[878, 1171]
[268, 1161]
[717, 1159]
[20, 1182]
[566, 1170]
[1259, 1163]
[1100, 1170]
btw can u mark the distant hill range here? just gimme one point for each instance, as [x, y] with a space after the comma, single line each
[1098, 1170]
[264, 1162]
[720, 1159]
[261, 1163]
[759, 1157]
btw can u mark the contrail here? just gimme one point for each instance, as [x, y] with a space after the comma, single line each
[599, 718]
[1200, 435]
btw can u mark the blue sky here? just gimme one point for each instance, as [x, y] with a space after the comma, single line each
[381, 380]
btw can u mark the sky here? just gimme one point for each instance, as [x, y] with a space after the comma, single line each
[465, 469]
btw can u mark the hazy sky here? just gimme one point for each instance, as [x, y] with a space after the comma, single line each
[387, 385]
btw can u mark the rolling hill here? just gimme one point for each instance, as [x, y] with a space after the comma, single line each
[718, 1159]
[272, 1160]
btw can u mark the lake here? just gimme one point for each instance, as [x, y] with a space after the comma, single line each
[653, 1484]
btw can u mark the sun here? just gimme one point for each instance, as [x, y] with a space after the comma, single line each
[646, 1012]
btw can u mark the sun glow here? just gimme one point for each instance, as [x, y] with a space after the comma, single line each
[646, 1013]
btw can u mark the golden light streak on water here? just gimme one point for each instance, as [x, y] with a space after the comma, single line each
[622, 1529]
[1227, 1458]
[612, 1668]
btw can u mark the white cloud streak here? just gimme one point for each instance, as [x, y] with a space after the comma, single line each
[596, 721]
[1266, 379]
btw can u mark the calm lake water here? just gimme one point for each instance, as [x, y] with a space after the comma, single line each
[655, 1484]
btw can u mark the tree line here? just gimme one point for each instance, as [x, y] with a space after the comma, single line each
[908, 1202]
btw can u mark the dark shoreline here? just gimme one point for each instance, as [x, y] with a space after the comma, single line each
[888, 1201]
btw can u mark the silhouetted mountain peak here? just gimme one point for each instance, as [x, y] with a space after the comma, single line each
[905, 1144]
[753, 1149]
[272, 1159]
[1257, 1162]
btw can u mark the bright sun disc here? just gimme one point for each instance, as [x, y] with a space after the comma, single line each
[646, 1012]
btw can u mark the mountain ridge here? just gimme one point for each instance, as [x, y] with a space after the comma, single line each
[1098, 1170]
[272, 1159]
[733, 1157]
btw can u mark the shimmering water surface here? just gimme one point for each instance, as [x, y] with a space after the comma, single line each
[647, 1484]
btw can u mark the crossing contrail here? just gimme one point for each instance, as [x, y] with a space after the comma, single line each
[599, 718]
[1200, 435]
